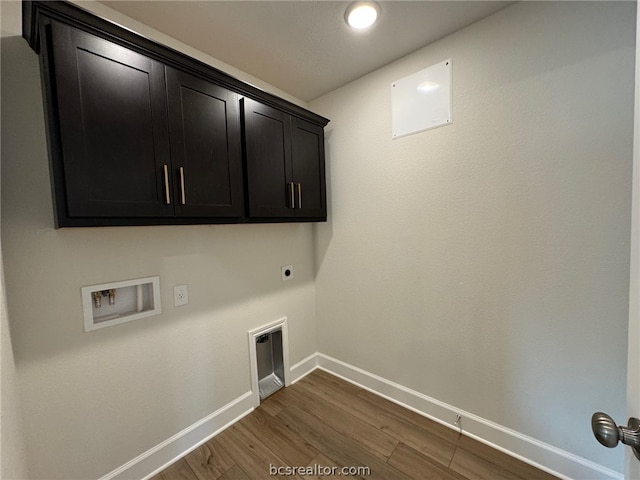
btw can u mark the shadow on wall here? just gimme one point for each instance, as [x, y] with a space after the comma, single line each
[323, 232]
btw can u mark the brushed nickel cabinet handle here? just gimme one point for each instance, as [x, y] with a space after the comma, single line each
[299, 185]
[183, 198]
[292, 198]
[167, 196]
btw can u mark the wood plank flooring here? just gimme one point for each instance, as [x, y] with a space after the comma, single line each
[323, 424]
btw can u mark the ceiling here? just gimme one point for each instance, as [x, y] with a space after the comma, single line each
[304, 47]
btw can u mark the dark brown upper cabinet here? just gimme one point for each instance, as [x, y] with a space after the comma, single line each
[140, 139]
[140, 134]
[204, 132]
[284, 164]
[308, 170]
[113, 127]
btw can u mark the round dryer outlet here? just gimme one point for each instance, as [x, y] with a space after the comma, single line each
[287, 272]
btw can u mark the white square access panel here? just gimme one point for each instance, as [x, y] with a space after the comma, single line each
[113, 303]
[422, 101]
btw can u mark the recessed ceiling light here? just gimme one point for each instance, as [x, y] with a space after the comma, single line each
[361, 15]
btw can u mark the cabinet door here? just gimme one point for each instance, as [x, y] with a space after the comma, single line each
[204, 127]
[113, 127]
[307, 150]
[268, 160]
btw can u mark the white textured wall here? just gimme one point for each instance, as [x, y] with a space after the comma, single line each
[12, 452]
[13, 463]
[93, 401]
[486, 263]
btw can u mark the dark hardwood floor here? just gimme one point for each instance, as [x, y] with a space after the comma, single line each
[323, 424]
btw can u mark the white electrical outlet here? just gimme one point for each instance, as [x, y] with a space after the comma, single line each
[180, 295]
[287, 272]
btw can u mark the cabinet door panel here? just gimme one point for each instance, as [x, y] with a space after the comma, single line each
[205, 143]
[112, 118]
[268, 160]
[307, 145]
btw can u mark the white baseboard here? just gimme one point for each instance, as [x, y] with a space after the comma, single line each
[303, 368]
[546, 457]
[534, 452]
[156, 459]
